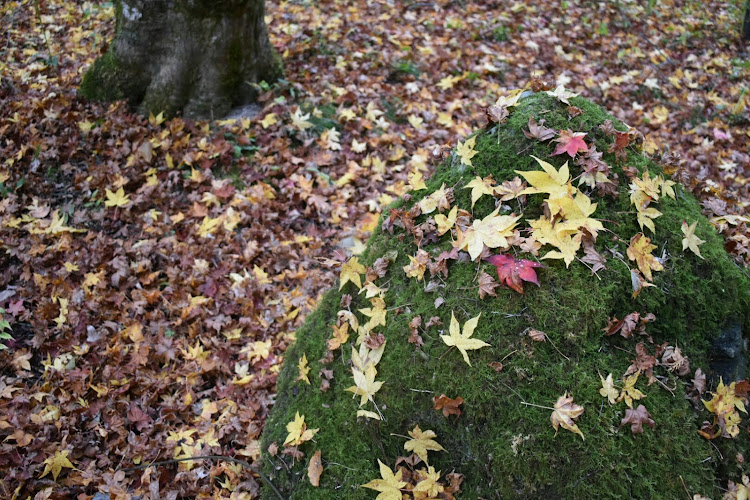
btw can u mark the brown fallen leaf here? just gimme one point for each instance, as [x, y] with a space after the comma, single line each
[448, 405]
[537, 335]
[315, 468]
[636, 418]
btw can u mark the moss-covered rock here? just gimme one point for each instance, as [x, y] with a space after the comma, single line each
[504, 447]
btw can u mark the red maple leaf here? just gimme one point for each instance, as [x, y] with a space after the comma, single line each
[570, 143]
[514, 272]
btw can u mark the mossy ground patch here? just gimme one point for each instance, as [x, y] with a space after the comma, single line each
[503, 447]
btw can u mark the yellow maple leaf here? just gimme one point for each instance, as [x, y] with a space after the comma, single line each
[575, 212]
[640, 251]
[480, 187]
[365, 385]
[567, 244]
[421, 442]
[268, 120]
[491, 231]
[465, 150]
[416, 181]
[418, 265]
[350, 271]
[428, 483]
[300, 120]
[116, 199]
[298, 431]
[608, 389]
[690, 240]
[389, 486]
[376, 313]
[340, 336]
[462, 340]
[444, 224]
[564, 414]
[303, 369]
[629, 392]
[554, 182]
[436, 200]
[56, 463]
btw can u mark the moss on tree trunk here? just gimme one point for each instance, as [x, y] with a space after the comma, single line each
[504, 448]
[196, 57]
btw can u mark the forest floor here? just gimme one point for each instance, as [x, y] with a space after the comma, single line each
[154, 271]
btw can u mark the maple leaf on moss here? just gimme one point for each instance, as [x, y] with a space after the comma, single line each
[564, 414]
[608, 389]
[421, 442]
[490, 231]
[304, 369]
[428, 483]
[340, 336]
[462, 340]
[514, 272]
[636, 418]
[561, 94]
[298, 431]
[629, 392]
[447, 405]
[444, 224]
[389, 486]
[570, 142]
[690, 240]
[640, 251]
[466, 151]
[365, 385]
[552, 181]
[350, 271]
[479, 187]
[56, 463]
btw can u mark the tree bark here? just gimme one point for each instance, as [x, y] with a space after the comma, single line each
[195, 57]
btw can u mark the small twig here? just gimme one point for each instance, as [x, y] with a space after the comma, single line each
[245, 464]
[686, 490]
[422, 390]
[537, 406]
[553, 345]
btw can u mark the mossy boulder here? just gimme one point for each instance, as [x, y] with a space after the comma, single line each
[504, 447]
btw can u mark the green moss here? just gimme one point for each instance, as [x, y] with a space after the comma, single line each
[102, 81]
[507, 449]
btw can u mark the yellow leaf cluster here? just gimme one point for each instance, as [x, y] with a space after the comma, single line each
[726, 405]
[298, 432]
[570, 211]
[645, 190]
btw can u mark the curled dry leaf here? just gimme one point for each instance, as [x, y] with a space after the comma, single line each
[315, 468]
[566, 411]
[537, 336]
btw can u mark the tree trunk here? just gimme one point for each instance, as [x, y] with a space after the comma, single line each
[197, 57]
[746, 23]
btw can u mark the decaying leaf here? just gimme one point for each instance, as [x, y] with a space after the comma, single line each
[566, 411]
[636, 418]
[608, 389]
[448, 405]
[315, 469]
